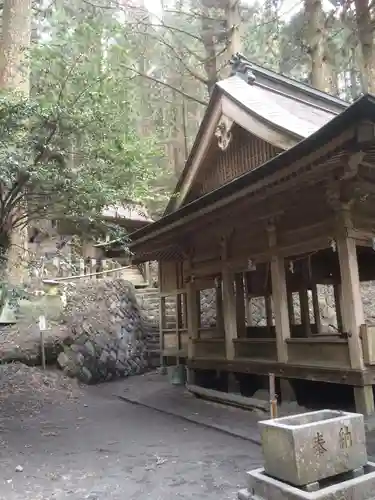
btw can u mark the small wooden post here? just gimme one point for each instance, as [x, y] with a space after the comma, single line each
[315, 300]
[269, 314]
[42, 328]
[193, 316]
[273, 397]
[162, 327]
[338, 300]
[147, 275]
[240, 305]
[249, 316]
[56, 263]
[305, 311]
[219, 309]
[229, 310]
[93, 268]
[178, 323]
[292, 318]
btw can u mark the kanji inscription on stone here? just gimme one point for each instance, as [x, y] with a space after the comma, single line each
[345, 437]
[319, 444]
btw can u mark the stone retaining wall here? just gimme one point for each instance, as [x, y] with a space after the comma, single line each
[106, 332]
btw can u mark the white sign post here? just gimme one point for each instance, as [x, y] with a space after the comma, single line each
[42, 328]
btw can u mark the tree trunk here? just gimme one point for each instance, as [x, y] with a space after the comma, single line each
[315, 38]
[209, 43]
[232, 13]
[15, 76]
[15, 43]
[366, 41]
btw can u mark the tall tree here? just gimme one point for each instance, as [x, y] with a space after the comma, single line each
[316, 41]
[365, 27]
[14, 77]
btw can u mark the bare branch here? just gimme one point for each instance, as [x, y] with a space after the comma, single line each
[194, 15]
[168, 85]
[191, 72]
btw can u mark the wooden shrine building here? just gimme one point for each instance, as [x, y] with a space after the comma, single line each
[277, 198]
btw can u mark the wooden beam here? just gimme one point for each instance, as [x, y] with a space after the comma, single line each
[200, 151]
[286, 370]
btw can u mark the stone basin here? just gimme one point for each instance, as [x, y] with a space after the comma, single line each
[309, 447]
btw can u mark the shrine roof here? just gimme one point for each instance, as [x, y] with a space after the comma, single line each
[362, 109]
[292, 108]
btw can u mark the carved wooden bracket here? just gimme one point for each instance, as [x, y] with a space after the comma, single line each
[351, 168]
[343, 193]
[223, 132]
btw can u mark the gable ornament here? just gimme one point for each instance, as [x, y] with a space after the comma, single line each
[240, 66]
[223, 132]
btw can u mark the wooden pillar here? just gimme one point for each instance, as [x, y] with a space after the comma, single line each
[240, 306]
[193, 316]
[219, 309]
[292, 318]
[147, 276]
[364, 400]
[268, 306]
[229, 310]
[248, 312]
[185, 311]
[353, 316]
[338, 301]
[305, 312]
[162, 327]
[315, 300]
[280, 299]
[178, 321]
[352, 312]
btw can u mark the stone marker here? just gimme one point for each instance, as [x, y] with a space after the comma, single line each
[313, 456]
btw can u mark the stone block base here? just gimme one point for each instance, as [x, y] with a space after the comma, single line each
[343, 487]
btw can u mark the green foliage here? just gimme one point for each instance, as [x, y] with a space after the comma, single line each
[73, 147]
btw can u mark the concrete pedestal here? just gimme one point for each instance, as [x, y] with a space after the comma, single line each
[263, 487]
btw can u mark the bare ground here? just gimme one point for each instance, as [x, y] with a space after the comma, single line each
[84, 443]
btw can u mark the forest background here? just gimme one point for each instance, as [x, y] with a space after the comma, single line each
[113, 91]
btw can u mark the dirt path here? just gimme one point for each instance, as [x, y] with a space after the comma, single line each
[99, 448]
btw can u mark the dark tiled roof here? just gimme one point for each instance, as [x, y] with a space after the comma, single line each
[292, 115]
